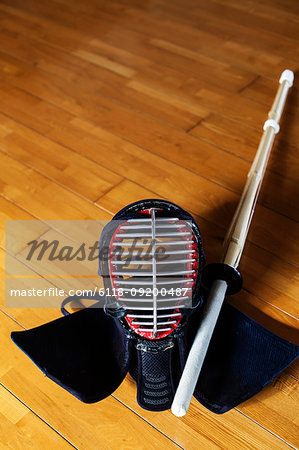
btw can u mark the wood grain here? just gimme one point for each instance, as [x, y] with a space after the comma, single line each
[215, 203]
[105, 103]
[188, 431]
[107, 424]
[21, 428]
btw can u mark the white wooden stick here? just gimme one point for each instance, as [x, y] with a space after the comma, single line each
[233, 247]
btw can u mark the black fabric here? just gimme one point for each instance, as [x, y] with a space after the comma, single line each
[88, 353]
[242, 358]
[156, 372]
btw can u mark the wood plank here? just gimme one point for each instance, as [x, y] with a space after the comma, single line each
[213, 24]
[204, 162]
[30, 313]
[267, 416]
[243, 140]
[281, 21]
[68, 168]
[192, 64]
[284, 11]
[82, 424]
[278, 284]
[270, 279]
[146, 68]
[35, 316]
[263, 91]
[275, 293]
[138, 40]
[273, 407]
[20, 428]
[124, 194]
[96, 99]
[287, 9]
[8, 211]
[206, 101]
[42, 197]
[23, 315]
[210, 24]
[207, 44]
[159, 176]
[172, 60]
[293, 370]
[279, 281]
[143, 130]
[209, 430]
[98, 418]
[220, 16]
[107, 424]
[100, 79]
[253, 280]
[273, 320]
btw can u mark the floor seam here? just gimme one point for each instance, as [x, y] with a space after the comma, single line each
[38, 416]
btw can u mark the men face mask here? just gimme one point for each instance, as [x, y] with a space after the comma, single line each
[146, 323]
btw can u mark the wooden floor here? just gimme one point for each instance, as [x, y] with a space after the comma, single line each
[106, 102]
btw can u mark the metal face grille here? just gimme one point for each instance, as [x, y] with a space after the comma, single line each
[153, 263]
